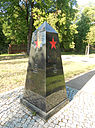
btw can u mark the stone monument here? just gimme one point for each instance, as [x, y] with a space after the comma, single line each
[45, 90]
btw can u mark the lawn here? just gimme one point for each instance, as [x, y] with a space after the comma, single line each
[13, 71]
[12, 56]
[71, 69]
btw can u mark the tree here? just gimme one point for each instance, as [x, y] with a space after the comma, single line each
[14, 23]
[84, 28]
[19, 17]
[3, 44]
[60, 18]
[90, 38]
[65, 25]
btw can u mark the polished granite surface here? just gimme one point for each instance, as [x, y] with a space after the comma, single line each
[45, 85]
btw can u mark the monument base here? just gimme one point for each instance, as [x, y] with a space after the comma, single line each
[41, 113]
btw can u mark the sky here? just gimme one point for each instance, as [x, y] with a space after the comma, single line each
[84, 2]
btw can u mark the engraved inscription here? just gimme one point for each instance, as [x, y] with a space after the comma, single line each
[55, 69]
[35, 70]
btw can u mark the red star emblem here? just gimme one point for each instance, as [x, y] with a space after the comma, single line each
[36, 42]
[52, 43]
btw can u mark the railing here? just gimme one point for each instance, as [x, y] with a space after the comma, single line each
[15, 48]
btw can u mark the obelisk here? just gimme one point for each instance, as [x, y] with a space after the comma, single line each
[45, 90]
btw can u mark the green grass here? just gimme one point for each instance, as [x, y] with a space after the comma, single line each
[71, 69]
[12, 56]
[13, 71]
[71, 53]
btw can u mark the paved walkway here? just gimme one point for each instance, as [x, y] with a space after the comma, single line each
[79, 113]
[79, 81]
[85, 59]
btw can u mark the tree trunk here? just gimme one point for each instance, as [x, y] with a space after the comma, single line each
[30, 30]
[27, 11]
[88, 50]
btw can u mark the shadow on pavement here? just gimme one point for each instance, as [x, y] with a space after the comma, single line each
[80, 81]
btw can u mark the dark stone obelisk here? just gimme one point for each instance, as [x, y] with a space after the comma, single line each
[45, 90]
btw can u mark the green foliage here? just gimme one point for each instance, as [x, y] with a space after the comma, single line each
[90, 12]
[34, 113]
[65, 26]
[85, 29]
[39, 17]
[21, 17]
[3, 44]
[80, 37]
[60, 19]
[90, 38]
[14, 27]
